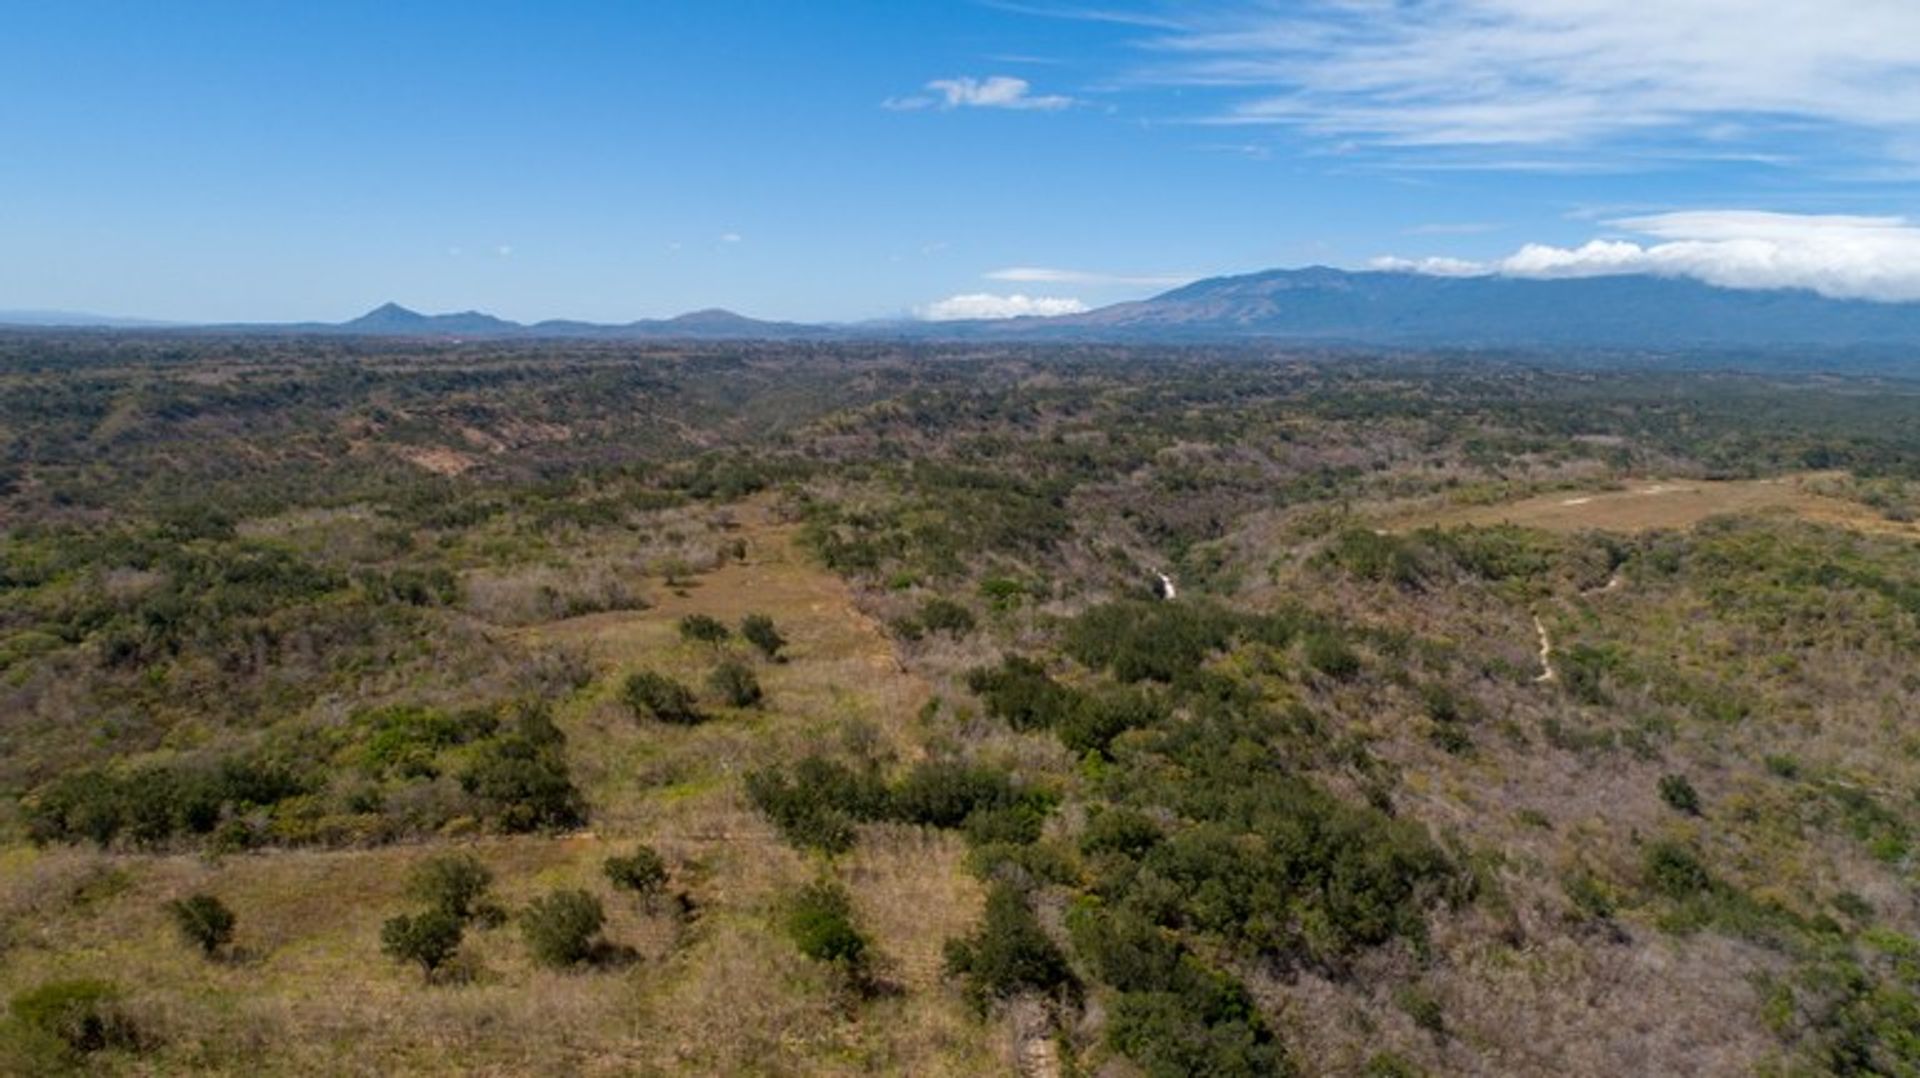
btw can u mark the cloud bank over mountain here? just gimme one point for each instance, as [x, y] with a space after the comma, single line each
[1842, 257]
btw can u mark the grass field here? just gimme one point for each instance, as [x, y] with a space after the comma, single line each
[1658, 504]
[308, 992]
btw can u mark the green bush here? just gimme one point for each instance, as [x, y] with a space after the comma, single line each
[203, 920]
[759, 630]
[656, 696]
[1120, 830]
[427, 939]
[702, 629]
[562, 928]
[820, 922]
[942, 615]
[943, 793]
[734, 683]
[1173, 1015]
[643, 872]
[1679, 794]
[1329, 654]
[456, 884]
[1674, 870]
[82, 1015]
[520, 779]
[1008, 954]
[816, 805]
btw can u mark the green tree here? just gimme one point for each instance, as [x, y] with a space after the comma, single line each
[561, 928]
[758, 630]
[455, 884]
[1009, 954]
[428, 939]
[203, 921]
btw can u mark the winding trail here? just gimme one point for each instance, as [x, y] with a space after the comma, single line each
[1547, 673]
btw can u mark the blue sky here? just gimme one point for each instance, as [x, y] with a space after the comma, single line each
[278, 161]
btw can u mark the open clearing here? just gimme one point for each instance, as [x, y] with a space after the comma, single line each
[1664, 504]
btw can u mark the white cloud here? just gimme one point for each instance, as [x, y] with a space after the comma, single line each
[992, 92]
[1433, 266]
[505, 250]
[731, 237]
[974, 305]
[1845, 257]
[1048, 275]
[1556, 76]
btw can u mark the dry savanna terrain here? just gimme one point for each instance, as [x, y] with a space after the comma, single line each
[376, 707]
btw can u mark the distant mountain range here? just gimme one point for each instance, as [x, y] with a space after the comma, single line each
[1316, 304]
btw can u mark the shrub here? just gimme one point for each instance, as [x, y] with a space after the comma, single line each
[1330, 655]
[1119, 830]
[455, 884]
[1008, 954]
[561, 928]
[1674, 870]
[701, 629]
[820, 921]
[427, 939]
[521, 778]
[203, 920]
[644, 872]
[943, 615]
[943, 793]
[1679, 794]
[816, 805]
[758, 630]
[659, 697]
[1020, 692]
[1140, 641]
[82, 1015]
[734, 682]
[1173, 1015]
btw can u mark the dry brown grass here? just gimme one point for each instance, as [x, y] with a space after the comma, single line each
[307, 991]
[1657, 504]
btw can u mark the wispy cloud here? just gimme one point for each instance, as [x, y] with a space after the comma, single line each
[1543, 80]
[1846, 257]
[1048, 275]
[982, 305]
[992, 92]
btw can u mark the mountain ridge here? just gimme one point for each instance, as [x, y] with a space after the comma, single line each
[1313, 304]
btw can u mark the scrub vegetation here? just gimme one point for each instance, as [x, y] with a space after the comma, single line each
[800, 708]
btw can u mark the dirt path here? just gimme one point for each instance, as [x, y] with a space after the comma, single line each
[1547, 673]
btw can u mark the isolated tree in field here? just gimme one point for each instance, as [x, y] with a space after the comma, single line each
[701, 629]
[659, 697]
[561, 928]
[455, 884]
[758, 629]
[427, 939]
[644, 872]
[203, 921]
[734, 682]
